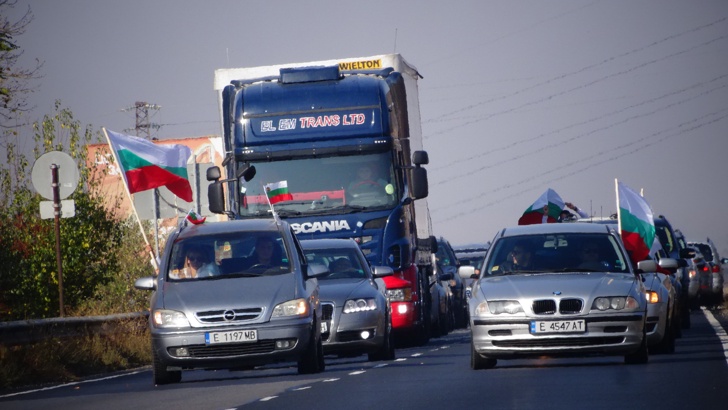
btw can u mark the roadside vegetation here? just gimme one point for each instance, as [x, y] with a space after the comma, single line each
[102, 252]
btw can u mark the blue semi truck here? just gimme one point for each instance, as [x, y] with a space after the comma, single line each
[342, 141]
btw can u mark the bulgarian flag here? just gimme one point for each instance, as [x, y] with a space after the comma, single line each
[546, 209]
[278, 192]
[145, 165]
[195, 218]
[636, 223]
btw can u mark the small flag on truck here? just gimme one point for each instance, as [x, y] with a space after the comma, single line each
[278, 192]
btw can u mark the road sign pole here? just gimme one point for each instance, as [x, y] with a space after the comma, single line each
[57, 217]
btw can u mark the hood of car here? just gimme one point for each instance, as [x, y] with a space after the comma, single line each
[585, 285]
[339, 290]
[229, 293]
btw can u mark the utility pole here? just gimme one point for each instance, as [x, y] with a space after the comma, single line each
[143, 127]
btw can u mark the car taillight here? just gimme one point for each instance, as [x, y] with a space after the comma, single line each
[706, 268]
[716, 268]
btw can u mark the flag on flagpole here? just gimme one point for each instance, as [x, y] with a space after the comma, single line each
[195, 218]
[636, 223]
[546, 209]
[145, 165]
[278, 192]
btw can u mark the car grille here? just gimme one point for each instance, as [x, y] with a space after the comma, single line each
[327, 315]
[548, 306]
[561, 342]
[229, 315]
[229, 350]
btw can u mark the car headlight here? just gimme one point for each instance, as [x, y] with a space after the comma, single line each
[359, 305]
[615, 303]
[169, 318]
[497, 307]
[297, 307]
[399, 295]
[652, 296]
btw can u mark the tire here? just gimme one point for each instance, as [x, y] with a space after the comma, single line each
[312, 360]
[667, 344]
[641, 356]
[478, 362]
[160, 374]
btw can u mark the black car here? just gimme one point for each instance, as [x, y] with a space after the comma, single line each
[449, 263]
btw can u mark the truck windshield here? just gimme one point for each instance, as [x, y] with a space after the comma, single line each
[323, 185]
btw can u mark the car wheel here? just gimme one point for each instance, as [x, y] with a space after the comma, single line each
[641, 356]
[312, 360]
[478, 362]
[160, 373]
[667, 344]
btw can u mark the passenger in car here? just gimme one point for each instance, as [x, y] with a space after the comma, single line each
[266, 254]
[590, 257]
[198, 263]
[520, 258]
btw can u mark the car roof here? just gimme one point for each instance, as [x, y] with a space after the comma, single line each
[241, 225]
[328, 243]
[548, 228]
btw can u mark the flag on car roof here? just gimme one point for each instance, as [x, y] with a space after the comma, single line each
[546, 209]
[278, 192]
[195, 218]
[145, 165]
[636, 223]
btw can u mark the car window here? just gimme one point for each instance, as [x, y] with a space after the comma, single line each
[705, 250]
[343, 263]
[252, 253]
[666, 239]
[572, 252]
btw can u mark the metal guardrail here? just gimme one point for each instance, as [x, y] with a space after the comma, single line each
[33, 331]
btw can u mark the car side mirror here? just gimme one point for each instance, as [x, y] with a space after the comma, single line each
[669, 264]
[646, 266]
[382, 271]
[146, 283]
[466, 272]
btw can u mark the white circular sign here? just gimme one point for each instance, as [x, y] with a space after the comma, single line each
[42, 176]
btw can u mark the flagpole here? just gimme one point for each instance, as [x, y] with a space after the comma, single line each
[619, 219]
[273, 211]
[133, 207]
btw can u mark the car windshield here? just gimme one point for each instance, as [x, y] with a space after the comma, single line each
[229, 255]
[570, 252]
[343, 263]
[323, 185]
[705, 250]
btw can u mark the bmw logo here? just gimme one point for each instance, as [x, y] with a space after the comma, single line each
[557, 293]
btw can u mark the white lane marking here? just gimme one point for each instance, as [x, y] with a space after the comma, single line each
[302, 388]
[268, 398]
[330, 380]
[722, 335]
[380, 366]
[71, 384]
[357, 372]
[401, 359]
[416, 355]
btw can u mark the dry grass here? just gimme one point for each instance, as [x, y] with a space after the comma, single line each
[66, 360]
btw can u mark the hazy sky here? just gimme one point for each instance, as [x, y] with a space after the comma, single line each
[517, 96]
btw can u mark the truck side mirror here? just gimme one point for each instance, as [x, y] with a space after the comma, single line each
[420, 158]
[216, 197]
[419, 183]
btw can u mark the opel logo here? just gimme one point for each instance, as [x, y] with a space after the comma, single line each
[229, 315]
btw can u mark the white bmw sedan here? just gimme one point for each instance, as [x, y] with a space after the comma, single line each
[558, 290]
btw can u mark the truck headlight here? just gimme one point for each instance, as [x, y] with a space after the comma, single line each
[399, 295]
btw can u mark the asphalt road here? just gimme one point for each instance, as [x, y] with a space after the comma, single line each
[435, 376]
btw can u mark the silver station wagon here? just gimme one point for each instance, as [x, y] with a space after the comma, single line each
[554, 290]
[234, 295]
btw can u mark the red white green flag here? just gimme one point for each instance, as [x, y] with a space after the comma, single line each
[278, 192]
[546, 209]
[195, 218]
[636, 223]
[145, 165]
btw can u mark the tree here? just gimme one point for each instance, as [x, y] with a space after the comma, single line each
[15, 81]
[93, 242]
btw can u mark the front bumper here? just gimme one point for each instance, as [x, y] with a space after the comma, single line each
[186, 349]
[656, 323]
[604, 335]
[344, 333]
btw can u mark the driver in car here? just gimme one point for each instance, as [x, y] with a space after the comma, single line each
[264, 254]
